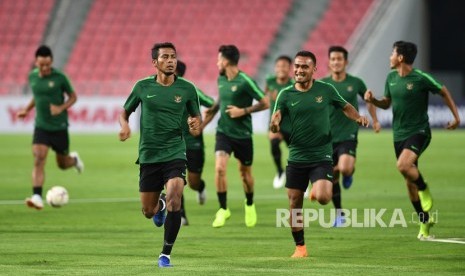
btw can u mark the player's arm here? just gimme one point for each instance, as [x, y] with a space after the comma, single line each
[445, 94]
[372, 110]
[195, 124]
[125, 131]
[352, 113]
[57, 109]
[384, 103]
[236, 112]
[23, 112]
[209, 114]
[275, 121]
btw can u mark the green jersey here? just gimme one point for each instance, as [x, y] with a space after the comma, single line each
[273, 88]
[161, 119]
[343, 128]
[49, 90]
[409, 98]
[309, 114]
[239, 92]
[195, 142]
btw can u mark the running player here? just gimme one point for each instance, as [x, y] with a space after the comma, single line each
[195, 151]
[344, 131]
[308, 104]
[274, 84]
[234, 132]
[162, 151]
[53, 94]
[407, 89]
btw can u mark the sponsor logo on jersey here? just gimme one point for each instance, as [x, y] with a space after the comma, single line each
[295, 103]
[177, 99]
[150, 96]
[51, 84]
[319, 99]
[409, 86]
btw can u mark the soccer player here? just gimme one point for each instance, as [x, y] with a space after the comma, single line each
[308, 104]
[195, 151]
[162, 150]
[407, 89]
[274, 84]
[234, 132]
[343, 130]
[53, 94]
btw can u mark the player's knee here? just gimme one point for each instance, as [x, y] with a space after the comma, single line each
[39, 159]
[147, 212]
[403, 166]
[173, 203]
[346, 170]
[62, 165]
[220, 170]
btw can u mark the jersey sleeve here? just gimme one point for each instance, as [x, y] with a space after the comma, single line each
[280, 102]
[387, 90]
[66, 86]
[336, 98]
[431, 84]
[204, 99]
[192, 105]
[133, 100]
[253, 90]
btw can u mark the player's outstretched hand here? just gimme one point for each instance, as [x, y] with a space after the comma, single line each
[368, 96]
[363, 121]
[452, 125]
[124, 133]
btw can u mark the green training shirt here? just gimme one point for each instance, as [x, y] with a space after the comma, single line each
[46, 91]
[409, 98]
[239, 92]
[195, 142]
[343, 128]
[309, 113]
[162, 110]
[274, 87]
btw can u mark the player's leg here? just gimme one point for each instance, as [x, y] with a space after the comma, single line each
[321, 176]
[336, 198]
[346, 162]
[195, 163]
[150, 187]
[65, 160]
[297, 179]
[150, 203]
[275, 140]
[39, 153]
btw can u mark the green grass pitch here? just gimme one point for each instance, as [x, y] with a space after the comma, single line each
[102, 231]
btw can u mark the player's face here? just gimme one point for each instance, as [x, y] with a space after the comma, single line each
[222, 63]
[282, 69]
[303, 69]
[45, 65]
[166, 61]
[394, 59]
[337, 62]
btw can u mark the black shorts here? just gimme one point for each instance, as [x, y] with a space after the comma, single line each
[195, 160]
[154, 176]
[57, 140]
[298, 175]
[286, 137]
[416, 143]
[345, 147]
[242, 148]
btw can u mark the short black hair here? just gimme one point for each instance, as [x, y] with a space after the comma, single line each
[339, 49]
[284, 57]
[44, 51]
[231, 53]
[180, 68]
[157, 46]
[406, 49]
[307, 54]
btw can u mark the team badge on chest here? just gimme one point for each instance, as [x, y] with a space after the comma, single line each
[234, 88]
[350, 88]
[51, 84]
[319, 99]
[409, 86]
[177, 99]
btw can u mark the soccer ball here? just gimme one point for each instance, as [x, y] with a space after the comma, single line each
[57, 196]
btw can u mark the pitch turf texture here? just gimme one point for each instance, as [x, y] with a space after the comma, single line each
[102, 231]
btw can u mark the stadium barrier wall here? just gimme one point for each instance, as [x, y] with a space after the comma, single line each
[100, 115]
